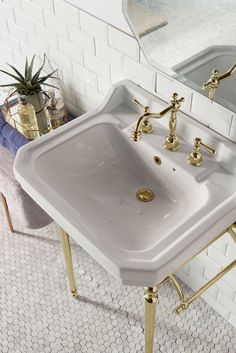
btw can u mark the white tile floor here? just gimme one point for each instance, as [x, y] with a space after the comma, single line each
[38, 315]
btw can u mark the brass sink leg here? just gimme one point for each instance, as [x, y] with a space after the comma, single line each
[7, 212]
[151, 299]
[65, 242]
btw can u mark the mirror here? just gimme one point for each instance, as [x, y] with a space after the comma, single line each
[187, 40]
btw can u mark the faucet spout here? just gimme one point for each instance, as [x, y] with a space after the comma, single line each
[212, 84]
[143, 122]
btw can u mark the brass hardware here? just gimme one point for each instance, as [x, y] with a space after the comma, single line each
[172, 140]
[232, 232]
[151, 293]
[212, 84]
[176, 284]
[227, 230]
[65, 242]
[178, 288]
[157, 160]
[6, 209]
[144, 125]
[185, 302]
[145, 195]
[151, 300]
[195, 157]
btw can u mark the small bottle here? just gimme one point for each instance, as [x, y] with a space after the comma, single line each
[56, 110]
[28, 118]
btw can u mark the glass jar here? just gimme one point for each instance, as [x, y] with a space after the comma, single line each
[28, 120]
[56, 110]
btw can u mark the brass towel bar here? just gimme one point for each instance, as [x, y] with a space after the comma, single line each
[185, 302]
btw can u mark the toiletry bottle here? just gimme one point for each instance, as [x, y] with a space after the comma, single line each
[56, 110]
[28, 119]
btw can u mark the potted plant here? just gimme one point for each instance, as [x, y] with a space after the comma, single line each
[30, 84]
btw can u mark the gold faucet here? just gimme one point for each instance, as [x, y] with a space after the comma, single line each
[212, 84]
[144, 126]
[195, 156]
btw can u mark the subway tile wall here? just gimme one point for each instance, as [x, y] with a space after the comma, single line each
[91, 56]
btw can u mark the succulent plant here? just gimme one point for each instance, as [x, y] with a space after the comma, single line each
[28, 83]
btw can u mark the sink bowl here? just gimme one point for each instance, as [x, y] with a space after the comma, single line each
[100, 173]
[86, 174]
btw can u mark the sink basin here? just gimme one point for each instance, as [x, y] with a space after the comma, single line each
[86, 174]
[100, 173]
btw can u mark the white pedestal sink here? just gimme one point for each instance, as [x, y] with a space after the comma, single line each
[85, 175]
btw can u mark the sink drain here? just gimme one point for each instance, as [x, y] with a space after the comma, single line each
[145, 195]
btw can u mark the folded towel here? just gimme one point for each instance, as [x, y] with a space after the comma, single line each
[2, 140]
[5, 128]
[15, 140]
[11, 138]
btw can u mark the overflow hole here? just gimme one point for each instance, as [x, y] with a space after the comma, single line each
[157, 160]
